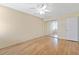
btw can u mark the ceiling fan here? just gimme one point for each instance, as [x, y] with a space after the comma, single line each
[41, 8]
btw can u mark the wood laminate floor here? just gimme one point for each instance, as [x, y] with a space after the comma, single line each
[43, 46]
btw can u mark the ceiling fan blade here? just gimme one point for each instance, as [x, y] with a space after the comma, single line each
[44, 6]
[47, 10]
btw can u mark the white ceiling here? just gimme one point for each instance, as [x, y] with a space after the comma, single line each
[57, 9]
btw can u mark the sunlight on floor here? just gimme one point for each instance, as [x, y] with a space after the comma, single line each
[55, 40]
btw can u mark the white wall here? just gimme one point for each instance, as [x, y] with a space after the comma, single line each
[16, 27]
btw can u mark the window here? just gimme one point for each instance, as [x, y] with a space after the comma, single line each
[54, 25]
[54, 28]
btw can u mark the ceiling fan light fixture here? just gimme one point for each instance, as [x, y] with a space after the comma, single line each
[42, 12]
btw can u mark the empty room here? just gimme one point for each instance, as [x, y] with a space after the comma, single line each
[39, 28]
